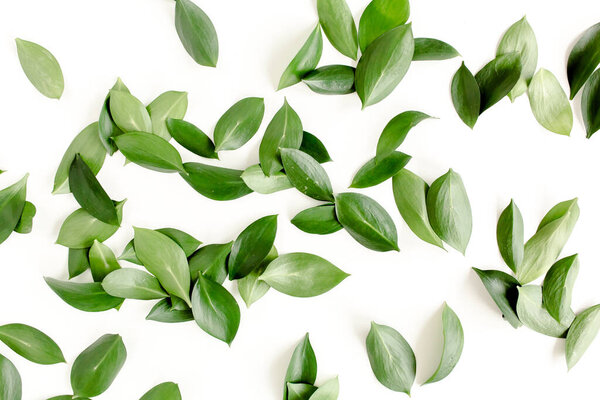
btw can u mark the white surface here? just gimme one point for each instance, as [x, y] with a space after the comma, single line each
[508, 155]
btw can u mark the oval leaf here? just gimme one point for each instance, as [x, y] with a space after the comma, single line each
[80, 229]
[509, 234]
[164, 391]
[130, 283]
[102, 261]
[497, 78]
[10, 380]
[304, 61]
[239, 123]
[169, 105]
[549, 103]
[533, 315]
[306, 174]
[25, 224]
[376, 171]
[379, 17]
[320, 220]
[427, 49]
[41, 68]
[558, 287]
[255, 179]
[454, 339]
[396, 130]
[252, 246]
[150, 151]
[590, 104]
[302, 367]
[12, 204]
[584, 329]
[331, 79]
[197, 33]
[88, 297]
[584, 58]
[128, 112]
[216, 183]
[31, 344]
[465, 96]
[338, 24]
[312, 146]
[191, 137]
[503, 290]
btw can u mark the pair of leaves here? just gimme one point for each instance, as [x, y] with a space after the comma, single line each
[41, 68]
[80, 229]
[197, 33]
[12, 208]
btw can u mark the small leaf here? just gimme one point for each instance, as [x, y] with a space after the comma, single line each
[95, 369]
[165, 311]
[509, 234]
[130, 283]
[107, 129]
[285, 131]
[583, 331]
[338, 24]
[169, 105]
[164, 391]
[10, 380]
[197, 33]
[331, 79]
[300, 391]
[465, 96]
[128, 112]
[392, 359]
[558, 287]
[453, 344]
[549, 103]
[215, 310]
[427, 49]
[366, 221]
[80, 229]
[302, 367]
[302, 275]
[187, 242]
[410, 193]
[379, 17]
[88, 297]
[306, 174]
[533, 315]
[376, 171]
[78, 262]
[25, 224]
[312, 146]
[31, 344]
[12, 204]
[129, 254]
[497, 78]
[191, 137]
[239, 123]
[41, 68]
[320, 220]
[384, 64]
[102, 261]
[251, 288]
[255, 179]
[304, 61]
[150, 151]
[396, 130]
[583, 59]
[503, 290]
[328, 391]
[216, 183]
[252, 246]
[590, 104]
[210, 261]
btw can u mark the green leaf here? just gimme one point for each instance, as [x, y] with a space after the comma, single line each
[252, 245]
[384, 64]
[89, 193]
[339, 27]
[163, 391]
[549, 103]
[215, 310]
[304, 61]
[41, 68]
[88, 297]
[533, 315]
[449, 210]
[197, 33]
[410, 192]
[299, 391]
[590, 104]
[95, 369]
[284, 130]
[427, 49]
[210, 261]
[102, 261]
[250, 287]
[31, 344]
[128, 112]
[583, 331]
[12, 203]
[503, 290]
[584, 58]
[130, 283]
[465, 96]
[376, 171]
[558, 287]
[312, 146]
[521, 39]
[107, 129]
[129, 254]
[302, 367]
[150, 151]
[306, 174]
[366, 221]
[256, 180]
[192, 138]
[10, 380]
[25, 224]
[331, 79]
[164, 259]
[379, 17]
[544, 247]
[169, 311]
[509, 234]
[302, 275]
[79, 262]
[497, 78]
[239, 123]
[169, 105]
[396, 130]
[320, 220]
[80, 229]
[454, 339]
[216, 183]
[87, 144]
[328, 391]
[187, 242]
[392, 359]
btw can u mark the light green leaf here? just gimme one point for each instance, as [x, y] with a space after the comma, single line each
[509, 234]
[107, 129]
[41, 68]
[250, 287]
[102, 261]
[331, 79]
[10, 380]
[128, 112]
[582, 333]
[25, 224]
[533, 315]
[255, 179]
[339, 27]
[80, 229]
[12, 204]
[558, 287]
[454, 339]
[306, 174]
[427, 49]
[31, 344]
[197, 33]
[168, 105]
[251, 246]
[170, 311]
[584, 58]
[88, 297]
[549, 103]
[304, 61]
[130, 283]
[379, 17]
[150, 151]
[239, 123]
[328, 391]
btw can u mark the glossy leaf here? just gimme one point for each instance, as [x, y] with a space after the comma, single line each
[454, 339]
[187, 242]
[11, 386]
[497, 78]
[510, 236]
[102, 261]
[252, 246]
[384, 64]
[95, 369]
[558, 287]
[130, 283]
[338, 24]
[12, 203]
[590, 104]
[328, 391]
[88, 297]
[300, 391]
[129, 114]
[168, 311]
[302, 367]
[312, 146]
[503, 290]
[169, 105]
[302, 275]
[379, 17]
[163, 391]
[80, 229]
[251, 288]
[366, 221]
[392, 359]
[31, 344]
[582, 333]
[533, 315]
[584, 58]
[427, 49]
[331, 79]
[449, 210]
[107, 129]
[376, 171]
[256, 180]
[79, 262]
[210, 261]
[25, 224]
[41, 68]
[150, 151]
[396, 130]
[191, 137]
[197, 33]
[549, 103]
[304, 61]
[465, 96]
[320, 220]
[216, 183]
[239, 123]
[306, 174]
[215, 310]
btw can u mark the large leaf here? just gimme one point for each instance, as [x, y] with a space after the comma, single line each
[130, 283]
[509, 234]
[396, 130]
[339, 27]
[41, 68]
[454, 339]
[128, 112]
[12, 204]
[497, 78]
[465, 96]
[216, 183]
[150, 151]
[379, 17]
[89, 297]
[252, 246]
[533, 315]
[503, 289]
[549, 103]
[304, 61]
[306, 174]
[378, 170]
[239, 123]
[31, 344]
[197, 33]
[583, 331]
[558, 287]
[590, 104]
[80, 229]
[584, 58]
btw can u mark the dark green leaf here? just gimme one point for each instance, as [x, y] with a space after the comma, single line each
[339, 27]
[252, 246]
[509, 234]
[378, 170]
[239, 123]
[191, 137]
[102, 261]
[187, 242]
[331, 79]
[465, 96]
[503, 290]
[558, 287]
[454, 339]
[302, 367]
[10, 380]
[312, 146]
[255, 179]
[128, 112]
[25, 224]
[584, 58]
[164, 391]
[304, 61]
[251, 288]
[210, 261]
[427, 49]
[79, 262]
[130, 283]
[41, 68]
[169, 105]
[320, 220]
[197, 33]
[80, 229]
[170, 311]
[31, 344]
[549, 103]
[497, 78]
[590, 104]
[396, 130]
[533, 315]
[583, 331]
[215, 182]
[88, 297]
[107, 129]
[300, 391]
[150, 151]
[306, 174]
[12, 203]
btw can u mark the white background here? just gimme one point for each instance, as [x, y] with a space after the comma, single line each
[507, 155]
